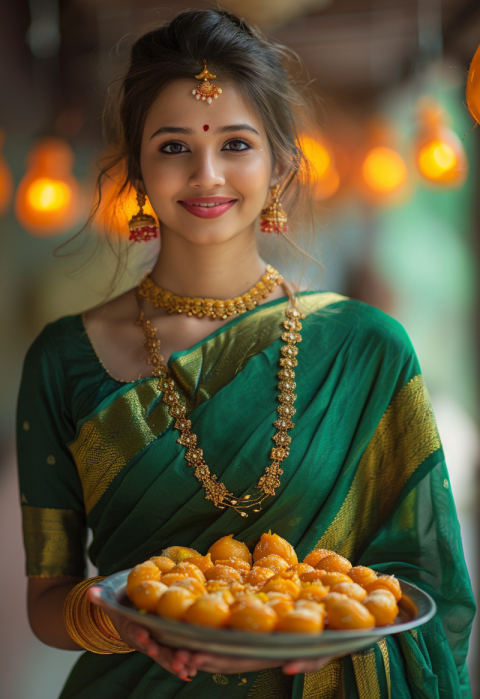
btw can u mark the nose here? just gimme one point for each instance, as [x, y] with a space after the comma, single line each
[207, 171]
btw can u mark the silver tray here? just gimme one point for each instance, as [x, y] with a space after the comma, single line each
[416, 608]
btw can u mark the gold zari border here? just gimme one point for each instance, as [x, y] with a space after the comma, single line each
[406, 435]
[382, 644]
[54, 541]
[365, 668]
[325, 683]
[110, 439]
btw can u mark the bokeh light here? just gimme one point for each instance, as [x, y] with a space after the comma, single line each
[325, 173]
[384, 170]
[47, 201]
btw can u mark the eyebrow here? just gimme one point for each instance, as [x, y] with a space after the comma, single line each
[188, 131]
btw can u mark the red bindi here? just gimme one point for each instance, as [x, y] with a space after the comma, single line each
[206, 127]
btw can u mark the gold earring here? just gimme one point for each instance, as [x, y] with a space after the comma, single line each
[273, 219]
[143, 227]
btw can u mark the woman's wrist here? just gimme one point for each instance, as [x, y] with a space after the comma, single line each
[89, 625]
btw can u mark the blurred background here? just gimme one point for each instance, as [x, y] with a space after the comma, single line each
[398, 211]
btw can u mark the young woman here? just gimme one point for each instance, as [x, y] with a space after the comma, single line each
[98, 446]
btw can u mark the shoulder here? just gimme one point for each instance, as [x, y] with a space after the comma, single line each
[372, 329]
[55, 337]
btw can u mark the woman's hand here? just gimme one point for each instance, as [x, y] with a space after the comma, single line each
[139, 637]
[227, 665]
[185, 663]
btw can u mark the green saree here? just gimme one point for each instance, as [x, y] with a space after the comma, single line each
[366, 477]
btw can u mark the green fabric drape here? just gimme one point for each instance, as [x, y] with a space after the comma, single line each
[366, 476]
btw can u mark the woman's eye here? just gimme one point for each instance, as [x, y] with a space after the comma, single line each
[174, 146]
[236, 143]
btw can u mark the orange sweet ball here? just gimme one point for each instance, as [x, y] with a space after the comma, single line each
[272, 561]
[386, 582]
[316, 556]
[258, 576]
[228, 547]
[141, 572]
[282, 585]
[314, 592]
[382, 605]
[163, 563]
[219, 572]
[272, 543]
[147, 595]
[325, 577]
[362, 575]
[351, 589]
[346, 613]
[190, 570]
[174, 602]
[301, 620]
[251, 615]
[216, 585]
[180, 553]
[301, 568]
[172, 577]
[242, 566]
[334, 563]
[280, 602]
[193, 585]
[209, 610]
[202, 562]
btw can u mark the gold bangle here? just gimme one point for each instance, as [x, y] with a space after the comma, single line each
[89, 625]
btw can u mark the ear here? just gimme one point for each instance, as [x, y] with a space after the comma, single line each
[279, 172]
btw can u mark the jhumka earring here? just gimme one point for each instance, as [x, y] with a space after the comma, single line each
[206, 91]
[143, 227]
[273, 219]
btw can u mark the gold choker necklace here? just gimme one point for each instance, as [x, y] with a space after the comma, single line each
[210, 308]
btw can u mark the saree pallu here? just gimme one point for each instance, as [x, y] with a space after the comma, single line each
[365, 477]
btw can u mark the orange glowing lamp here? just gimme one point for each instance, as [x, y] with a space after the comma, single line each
[47, 201]
[473, 87]
[322, 166]
[384, 170]
[381, 175]
[439, 153]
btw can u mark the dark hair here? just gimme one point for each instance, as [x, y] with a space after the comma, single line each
[243, 56]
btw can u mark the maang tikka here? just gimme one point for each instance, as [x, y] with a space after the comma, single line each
[207, 92]
[273, 219]
[143, 227]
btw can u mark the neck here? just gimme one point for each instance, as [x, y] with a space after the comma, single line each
[222, 270]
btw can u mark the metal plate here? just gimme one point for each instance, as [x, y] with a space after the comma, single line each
[416, 608]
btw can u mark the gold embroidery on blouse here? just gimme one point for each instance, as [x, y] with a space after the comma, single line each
[382, 644]
[365, 668]
[110, 439]
[406, 435]
[220, 679]
[271, 684]
[26, 425]
[325, 683]
[51, 461]
[54, 541]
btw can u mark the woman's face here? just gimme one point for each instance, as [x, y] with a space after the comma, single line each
[194, 153]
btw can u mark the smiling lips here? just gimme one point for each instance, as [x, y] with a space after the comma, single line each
[207, 207]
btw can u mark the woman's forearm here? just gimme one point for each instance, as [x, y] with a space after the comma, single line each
[46, 598]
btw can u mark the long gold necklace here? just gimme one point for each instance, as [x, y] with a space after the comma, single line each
[216, 491]
[213, 308]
